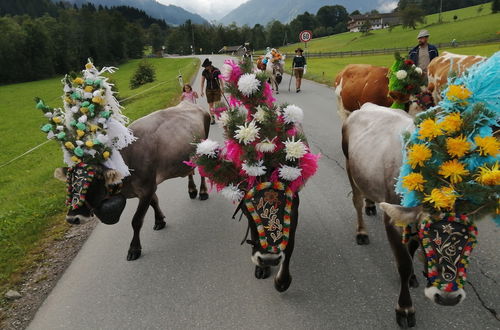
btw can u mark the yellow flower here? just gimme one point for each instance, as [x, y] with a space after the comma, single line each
[57, 120]
[414, 181]
[89, 144]
[80, 133]
[489, 177]
[75, 159]
[89, 66]
[69, 145]
[89, 89]
[452, 122]
[454, 170]
[84, 110]
[443, 198]
[78, 81]
[429, 129]
[93, 127]
[418, 154]
[97, 99]
[488, 145]
[68, 100]
[457, 147]
[105, 154]
[458, 93]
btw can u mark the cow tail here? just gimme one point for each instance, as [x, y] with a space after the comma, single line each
[345, 145]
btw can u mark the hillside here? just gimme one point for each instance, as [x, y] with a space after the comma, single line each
[264, 11]
[470, 25]
[173, 15]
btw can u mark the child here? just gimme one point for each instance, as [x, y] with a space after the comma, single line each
[188, 94]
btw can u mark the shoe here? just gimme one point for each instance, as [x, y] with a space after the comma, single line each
[212, 122]
[298, 90]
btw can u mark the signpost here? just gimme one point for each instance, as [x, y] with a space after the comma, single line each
[305, 36]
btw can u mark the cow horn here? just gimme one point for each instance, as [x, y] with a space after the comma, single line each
[401, 215]
[60, 173]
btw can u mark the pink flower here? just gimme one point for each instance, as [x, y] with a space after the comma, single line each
[234, 152]
[268, 95]
[230, 71]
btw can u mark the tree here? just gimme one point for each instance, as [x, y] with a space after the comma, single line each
[156, 37]
[276, 33]
[366, 27]
[356, 12]
[411, 16]
[330, 16]
[495, 6]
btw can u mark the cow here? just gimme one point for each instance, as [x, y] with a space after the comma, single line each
[372, 144]
[164, 142]
[441, 67]
[275, 71]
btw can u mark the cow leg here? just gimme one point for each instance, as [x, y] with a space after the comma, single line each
[283, 279]
[193, 192]
[159, 222]
[370, 208]
[405, 312]
[357, 199]
[203, 189]
[134, 251]
[277, 87]
[412, 247]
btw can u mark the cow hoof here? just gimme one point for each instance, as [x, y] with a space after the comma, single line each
[193, 194]
[262, 272]
[159, 225]
[371, 210]
[405, 319]
[413, 281]
[277, 92]
[281, 285]
[362, 239]
[203, 196]
[133, 254]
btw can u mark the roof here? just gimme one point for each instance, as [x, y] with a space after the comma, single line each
[230, 49]
[372, 16]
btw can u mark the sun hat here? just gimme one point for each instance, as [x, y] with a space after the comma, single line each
[422, 34]
[206, 63]
[299, 50]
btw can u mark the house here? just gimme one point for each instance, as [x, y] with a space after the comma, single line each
[238, 50]
[376, 21]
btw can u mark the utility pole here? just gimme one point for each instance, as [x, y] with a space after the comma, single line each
[440, 12]
[192, 37]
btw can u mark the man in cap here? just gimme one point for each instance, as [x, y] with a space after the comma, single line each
[299, 67]
[423, 54]
[214, 87]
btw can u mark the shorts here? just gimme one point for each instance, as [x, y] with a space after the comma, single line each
[213, 95]
[299, 72]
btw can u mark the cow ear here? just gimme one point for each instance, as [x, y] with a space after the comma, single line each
[402, 215]
[60, 173]
[112, 176]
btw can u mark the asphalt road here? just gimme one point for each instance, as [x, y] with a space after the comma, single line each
[195, 275]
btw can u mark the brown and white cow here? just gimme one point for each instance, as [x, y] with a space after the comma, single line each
[443, 66]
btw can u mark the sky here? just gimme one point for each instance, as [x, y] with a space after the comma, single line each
[216, 9]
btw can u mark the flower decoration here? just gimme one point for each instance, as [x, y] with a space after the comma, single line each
[451, 159]
[405, 79]
[208, 148]
[401, 74]
[263, 144]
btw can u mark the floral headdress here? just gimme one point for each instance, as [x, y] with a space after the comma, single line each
[90, 127]
[405, 78]
[263, 142]
[451, 160]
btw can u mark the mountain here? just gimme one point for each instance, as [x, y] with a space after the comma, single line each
[173, 15]
[264, 11]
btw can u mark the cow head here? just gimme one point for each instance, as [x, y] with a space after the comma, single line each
[414, 104]
[447, 242]
[90, 193]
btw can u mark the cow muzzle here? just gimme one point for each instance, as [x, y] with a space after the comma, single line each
[267, 259]
[445, 298]
[78, 219]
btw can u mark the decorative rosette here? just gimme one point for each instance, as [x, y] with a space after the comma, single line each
[90, 127]
[405, 79]
[263, 142]
[451, 160]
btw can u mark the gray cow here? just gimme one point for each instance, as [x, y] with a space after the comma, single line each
[372, 145]
[164, 142]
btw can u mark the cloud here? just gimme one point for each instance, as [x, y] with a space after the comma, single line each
[386, 6]
[209, 9]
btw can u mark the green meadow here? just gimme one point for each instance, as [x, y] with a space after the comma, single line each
[31, 200]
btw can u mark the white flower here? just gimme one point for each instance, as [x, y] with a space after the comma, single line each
[87, 95]
[260, 115]
[103, 139]
[67, 88]
[294, 149]
[101, 120]
[97, 93]
[232, 193]
[248, 84]
[83, 119]
[224, 118]
[289, 173]
[79, 143]
[247, 133]
[60, 127]
[208, 148]
[75, 108]
[226, 71]
[419, 70]
[50, 135]
[293, 114]
[265, 146]
[401, 74]
[256, 169]
[48, 114]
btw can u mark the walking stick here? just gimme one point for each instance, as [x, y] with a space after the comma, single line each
[293, 74]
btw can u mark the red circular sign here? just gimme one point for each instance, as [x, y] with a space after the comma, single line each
[306, 36]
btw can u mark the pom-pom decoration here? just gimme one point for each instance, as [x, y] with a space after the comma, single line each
[263, 141]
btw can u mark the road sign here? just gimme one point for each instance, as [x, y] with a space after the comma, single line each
[306, 35]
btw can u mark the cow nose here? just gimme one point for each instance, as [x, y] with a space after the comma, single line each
[73, 220]
[446, 300]
[269, 261]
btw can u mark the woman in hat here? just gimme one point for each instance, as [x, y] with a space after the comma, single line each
[214, 85]
[299, 67]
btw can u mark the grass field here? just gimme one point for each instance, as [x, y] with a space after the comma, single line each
[324, 70]
[31, 201]
[470, 25]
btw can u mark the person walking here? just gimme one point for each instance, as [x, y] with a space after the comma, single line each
[188, 94]
[214, 86]
[423, 54]
[299, 67]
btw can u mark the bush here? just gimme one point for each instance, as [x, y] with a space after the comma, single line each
[144, 74]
